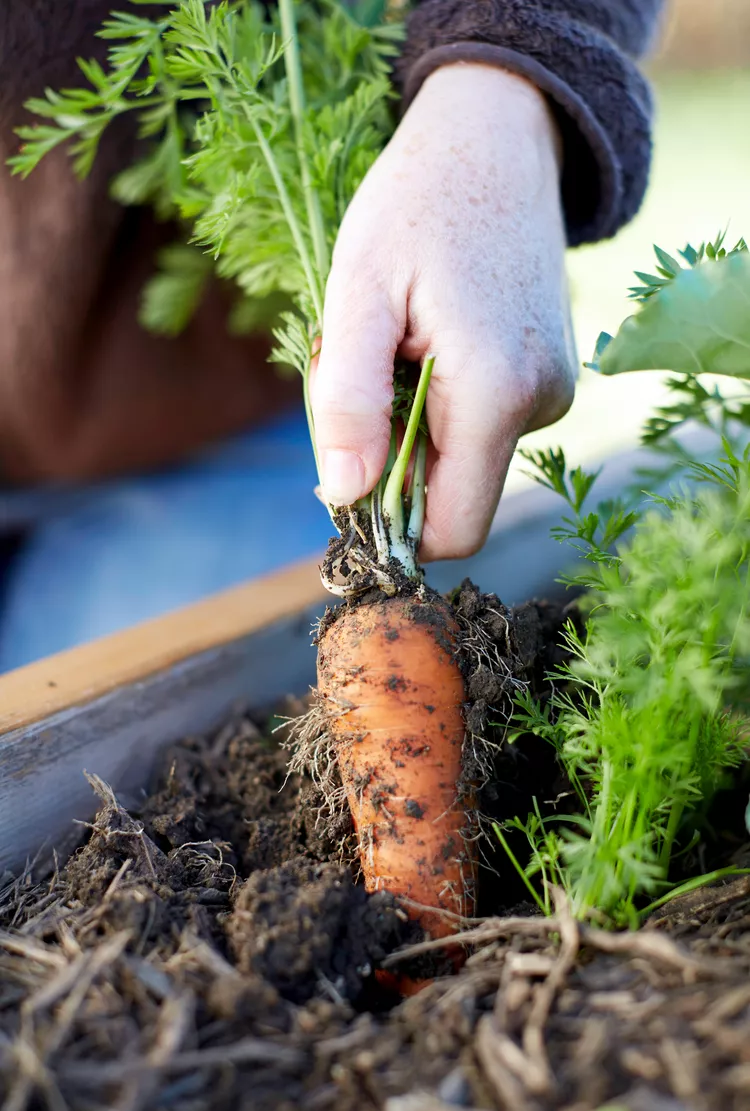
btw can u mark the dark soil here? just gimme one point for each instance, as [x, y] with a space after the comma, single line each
[212, 950]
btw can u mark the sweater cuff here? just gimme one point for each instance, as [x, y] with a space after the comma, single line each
[601, 104]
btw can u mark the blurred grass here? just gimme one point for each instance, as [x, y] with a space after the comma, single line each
[700, 184]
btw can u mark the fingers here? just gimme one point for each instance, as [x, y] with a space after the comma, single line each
[352, 390]
[481, 401]
[474, 432]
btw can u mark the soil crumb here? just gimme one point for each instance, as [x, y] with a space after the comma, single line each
[303, 925]
[209, 949]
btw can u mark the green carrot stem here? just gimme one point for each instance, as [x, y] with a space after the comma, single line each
[304, 255]
[392, 503]
[293, 64]
[514, 861]
[692, 885]
[289, 215]
[310, 421]
[675, 817]
[418, 494]
[379, 529]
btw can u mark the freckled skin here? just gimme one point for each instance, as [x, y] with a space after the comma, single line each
[410, 815]
[454, 245]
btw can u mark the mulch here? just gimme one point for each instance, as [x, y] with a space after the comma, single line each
[211, 950]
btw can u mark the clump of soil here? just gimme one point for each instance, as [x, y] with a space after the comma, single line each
[303, 924]
[212, 949]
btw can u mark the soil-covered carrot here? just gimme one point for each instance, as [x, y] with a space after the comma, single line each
[393, 692]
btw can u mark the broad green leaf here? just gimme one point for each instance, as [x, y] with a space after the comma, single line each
[697, 324]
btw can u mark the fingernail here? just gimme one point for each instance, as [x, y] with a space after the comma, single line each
[343, 476]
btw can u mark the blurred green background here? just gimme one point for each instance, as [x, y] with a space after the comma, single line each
[700, 185]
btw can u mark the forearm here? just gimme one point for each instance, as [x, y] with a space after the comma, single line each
[56, 233]
[581, 53]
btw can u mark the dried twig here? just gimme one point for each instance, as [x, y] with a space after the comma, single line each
[541, 1081]
[173, 1024]
[493, 929]
[659, 948]
[248, 1051]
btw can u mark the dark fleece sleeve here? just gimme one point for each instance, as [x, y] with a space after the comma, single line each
[582, 54]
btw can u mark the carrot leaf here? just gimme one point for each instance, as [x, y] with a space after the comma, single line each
[648, 716]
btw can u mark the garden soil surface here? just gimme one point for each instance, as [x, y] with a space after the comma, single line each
[210, 948]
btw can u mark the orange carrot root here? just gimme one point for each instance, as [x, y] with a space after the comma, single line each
[393, 692]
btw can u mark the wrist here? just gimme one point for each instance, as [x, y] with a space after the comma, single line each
[487, 96]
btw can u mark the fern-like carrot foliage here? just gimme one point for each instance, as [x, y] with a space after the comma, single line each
[258, 125]
[649, 713]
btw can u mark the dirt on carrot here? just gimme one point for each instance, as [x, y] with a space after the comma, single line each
[391, 691]
[414, 695]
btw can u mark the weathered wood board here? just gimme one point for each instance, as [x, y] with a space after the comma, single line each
[108, 707]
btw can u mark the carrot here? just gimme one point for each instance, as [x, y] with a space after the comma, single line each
[393, 693]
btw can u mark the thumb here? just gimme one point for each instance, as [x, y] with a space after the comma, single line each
[352, 389]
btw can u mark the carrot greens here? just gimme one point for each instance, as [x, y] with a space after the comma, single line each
[650, 712]
[256, 128]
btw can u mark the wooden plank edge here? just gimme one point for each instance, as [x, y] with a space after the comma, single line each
[120, 735]
[85, 673]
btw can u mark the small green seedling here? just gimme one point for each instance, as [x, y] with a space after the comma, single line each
[649, 714]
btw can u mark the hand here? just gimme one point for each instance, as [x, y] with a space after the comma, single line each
[453, 245]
